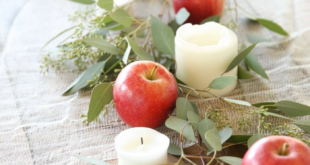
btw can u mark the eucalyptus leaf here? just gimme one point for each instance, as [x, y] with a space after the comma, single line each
[240, 102]
[91, 161]
[215, 18]
[222, 82]
[121, 16]
[304, 124]
[254, 138]
[167, 63]
[182, 16]
[106, 4]
[101, 96]
[276, 115]
[239, 138]
[126, 54]
[163, 36]
[174, 26]
[111, 64]
[293, 109]
[225, 134]
[102, 45]
[272, 26]
[194, 105]
[85, 2]
[231, 160]
[204, 126]
[194, 119]
[177, 124]
[243, 74]
[252, 62]
[213, 138]
[269, 105]
[174, 150]
[82, 80]
[255, 39]
[138, 51]
[182, 107]
[239, 57]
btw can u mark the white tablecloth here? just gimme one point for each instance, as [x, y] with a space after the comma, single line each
[39, 126]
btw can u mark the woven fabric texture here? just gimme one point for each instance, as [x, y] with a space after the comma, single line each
[39, 126]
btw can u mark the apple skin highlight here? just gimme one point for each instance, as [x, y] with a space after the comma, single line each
[144, 94]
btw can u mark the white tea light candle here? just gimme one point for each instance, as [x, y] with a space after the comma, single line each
[141, 146]
[202, 53]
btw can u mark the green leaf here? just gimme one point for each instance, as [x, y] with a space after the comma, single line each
[82, 80]
[304, 124]
[105, 4]
[269, 105]
[101, 96]
[177, 125]
[182, 16]
[231, 160]
[182, 107]
[255, 39]
[166, 63]
[194, 119]
[85, 2]
[91, 161]
[122, 17]
[240, 57]
[174, 26]
[126, 54]
[222, 82]
[195, 107]
[272, 26]
[243, 74]
[239, 138]
[174, 150]
[213, 138]
[163, 36]
[204, 126]
[293, 109]
[102, 45]
[215, 18]
[240, 102]
[276, 115]
[225, 134]
[252, 62]
[254, 138]
[138, 51]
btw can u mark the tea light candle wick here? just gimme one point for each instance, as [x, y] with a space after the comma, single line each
[141, 140]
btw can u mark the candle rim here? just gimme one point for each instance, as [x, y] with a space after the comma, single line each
[120, 136]
[229, 36]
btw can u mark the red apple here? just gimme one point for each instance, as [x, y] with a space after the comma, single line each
[144, 94]
[199, 9]
[277, 150]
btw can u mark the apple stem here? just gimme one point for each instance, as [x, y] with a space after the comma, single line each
[284, 148]
[153, 70]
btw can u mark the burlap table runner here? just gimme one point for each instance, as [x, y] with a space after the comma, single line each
[39, 126]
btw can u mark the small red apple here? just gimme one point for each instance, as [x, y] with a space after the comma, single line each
[199, 9]
[277, 150]
[144, 94]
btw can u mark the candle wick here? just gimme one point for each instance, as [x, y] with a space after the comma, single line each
[141, 140]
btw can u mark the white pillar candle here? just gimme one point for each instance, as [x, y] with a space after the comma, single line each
[202, 53]
[141, 146]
